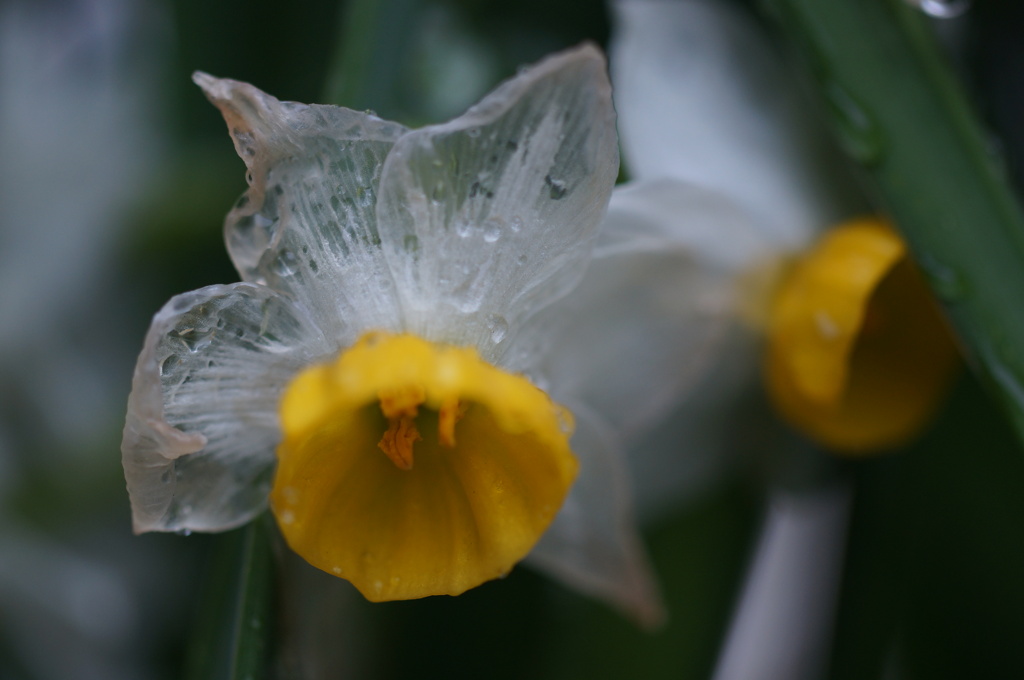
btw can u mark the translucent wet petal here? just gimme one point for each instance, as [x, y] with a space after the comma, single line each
[466, 507]
[199, 440]
[458, 233]
[307, 225]
[858, 356]
[594, 543]
[491, 216]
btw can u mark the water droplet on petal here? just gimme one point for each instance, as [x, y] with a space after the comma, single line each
[492, 229]
[194, 339]
[464, 229]
[169, 364]
[516, 223]
[285, 264]
[556, 187]
[498, 327]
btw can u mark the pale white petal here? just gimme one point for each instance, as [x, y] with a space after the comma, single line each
[703, 96]
[198, 448]
[657, 309]
[489, 217]
[657, 338]
[307, 225]
[593, 545]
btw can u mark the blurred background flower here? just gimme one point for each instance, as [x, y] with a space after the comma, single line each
[116, 176]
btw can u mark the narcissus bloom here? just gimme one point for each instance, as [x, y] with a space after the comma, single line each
[731, 162]
[393, 373]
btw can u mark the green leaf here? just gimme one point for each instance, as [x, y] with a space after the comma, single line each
[900, 113]
[234, 629]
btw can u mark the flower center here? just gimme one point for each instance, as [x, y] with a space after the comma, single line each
[401, 409]
[858, 356]
[414, 469]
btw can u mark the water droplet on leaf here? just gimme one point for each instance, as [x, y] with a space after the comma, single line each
[858, 133]
[942, 9]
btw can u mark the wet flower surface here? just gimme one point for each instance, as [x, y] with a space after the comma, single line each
[407, 292]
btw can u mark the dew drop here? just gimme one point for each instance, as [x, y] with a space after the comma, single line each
[194, 339]
[947, 283]
[858, 133]
[565, 423]
[498, 327]
[492, 229]
[556, 187]
[169, 364]
[516, 223]
[336, 569]
[286, 263]
[522, 259]
[464, 229]
[942, 9]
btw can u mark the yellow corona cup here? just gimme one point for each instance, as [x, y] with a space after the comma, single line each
[858, 357]
[415, 469]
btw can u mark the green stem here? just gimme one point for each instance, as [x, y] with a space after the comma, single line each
[904, 118]
[233, 633]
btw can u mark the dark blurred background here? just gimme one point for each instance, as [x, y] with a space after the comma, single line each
[115, 176]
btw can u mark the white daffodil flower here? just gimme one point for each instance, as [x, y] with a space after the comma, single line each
[729, 160]
[389, 371]
[730, 166]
